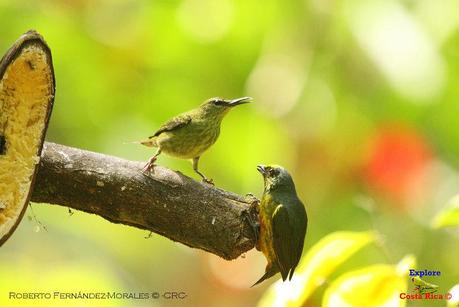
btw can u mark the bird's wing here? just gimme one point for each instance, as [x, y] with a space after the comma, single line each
[298, 239]
[297, 251]
[282, 241]
[173, 124]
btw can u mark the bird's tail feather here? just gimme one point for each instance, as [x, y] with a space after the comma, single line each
[270, 271]
[150, 142]
[133, 142]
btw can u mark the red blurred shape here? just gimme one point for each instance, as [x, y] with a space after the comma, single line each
[396, 163]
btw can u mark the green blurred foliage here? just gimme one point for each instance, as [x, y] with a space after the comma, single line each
[329, 78]
[315, 267]
[449, 216]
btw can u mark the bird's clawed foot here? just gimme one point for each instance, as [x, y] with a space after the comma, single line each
[204, 178]
[251, 215]
[253, 224]
[253, 201]
[150, 165]
[208, 181]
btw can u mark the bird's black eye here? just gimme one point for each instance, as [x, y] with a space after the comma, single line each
[273, 172]
[218, 102]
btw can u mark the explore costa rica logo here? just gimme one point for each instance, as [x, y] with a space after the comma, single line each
[423, 290]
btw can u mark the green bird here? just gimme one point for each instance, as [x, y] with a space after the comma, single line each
[282, 223]
[423, 286]
[190, 134]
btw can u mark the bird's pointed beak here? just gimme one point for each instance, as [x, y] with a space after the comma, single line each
[238, 101]
[261, 169]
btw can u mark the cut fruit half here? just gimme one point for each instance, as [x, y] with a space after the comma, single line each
[27, 89]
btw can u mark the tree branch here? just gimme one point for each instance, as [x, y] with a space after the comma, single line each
[166, 202]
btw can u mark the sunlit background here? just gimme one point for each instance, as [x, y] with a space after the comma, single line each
[357, 98]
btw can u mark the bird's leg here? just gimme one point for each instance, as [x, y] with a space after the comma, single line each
[195, 168]
[251, 215]
[151, 163]
[253, 224]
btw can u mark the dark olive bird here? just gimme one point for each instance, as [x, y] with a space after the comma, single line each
[283, 222]
[190, 134]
